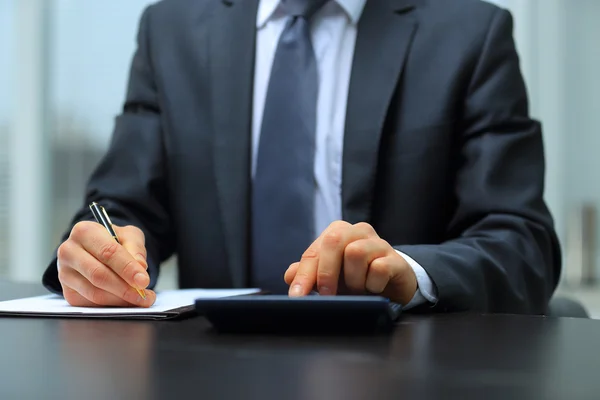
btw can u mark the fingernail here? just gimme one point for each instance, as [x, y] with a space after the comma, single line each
[325, 291]
[141, 280]
[296, 291]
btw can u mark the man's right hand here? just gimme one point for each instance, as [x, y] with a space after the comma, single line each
[94, 270]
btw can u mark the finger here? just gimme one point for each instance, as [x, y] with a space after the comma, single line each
[80, 292]
[403, 282]
[99, 297]
[331, 252]
[134, 241]
[98, 242]
[306, 272]
[366, 229]
[75, 299]
[289, 275]
[103, 277]
[357, 257]
[379, 274]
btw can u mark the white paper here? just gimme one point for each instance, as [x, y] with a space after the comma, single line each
[165, 301]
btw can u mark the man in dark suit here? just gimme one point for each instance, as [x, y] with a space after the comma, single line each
[356, 146]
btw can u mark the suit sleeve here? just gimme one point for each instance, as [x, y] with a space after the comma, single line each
[501, 252]
[130, 181]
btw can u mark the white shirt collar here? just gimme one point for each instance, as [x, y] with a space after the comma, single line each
[266, 9]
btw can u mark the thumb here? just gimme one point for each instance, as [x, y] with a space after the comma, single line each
[133, 240]
[290, 274]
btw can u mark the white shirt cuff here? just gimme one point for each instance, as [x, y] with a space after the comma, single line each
[426, 290]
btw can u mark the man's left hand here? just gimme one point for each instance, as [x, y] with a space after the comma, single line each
[355, 258]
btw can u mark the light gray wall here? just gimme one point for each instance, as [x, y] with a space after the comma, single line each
[582, 103]
[582, 107]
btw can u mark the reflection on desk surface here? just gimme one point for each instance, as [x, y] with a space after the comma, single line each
[119, 352]
[427, 357]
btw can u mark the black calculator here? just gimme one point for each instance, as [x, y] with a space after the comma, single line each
[314, 314]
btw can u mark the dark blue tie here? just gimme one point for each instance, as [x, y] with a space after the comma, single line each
[283, 190]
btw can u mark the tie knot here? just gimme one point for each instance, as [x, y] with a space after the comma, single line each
[302, 8]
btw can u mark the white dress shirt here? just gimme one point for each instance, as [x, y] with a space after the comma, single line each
[333, 33]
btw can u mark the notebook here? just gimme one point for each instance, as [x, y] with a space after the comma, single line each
[169, 305]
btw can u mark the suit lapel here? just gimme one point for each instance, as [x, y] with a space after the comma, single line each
[385, 32]
[231, 57]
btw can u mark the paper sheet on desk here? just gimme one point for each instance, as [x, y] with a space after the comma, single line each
[169, 304]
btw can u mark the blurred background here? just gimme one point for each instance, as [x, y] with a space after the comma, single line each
[63, 72]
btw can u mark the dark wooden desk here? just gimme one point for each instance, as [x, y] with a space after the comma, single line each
[446, 356]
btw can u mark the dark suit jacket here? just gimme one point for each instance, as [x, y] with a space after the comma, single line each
[440, 154]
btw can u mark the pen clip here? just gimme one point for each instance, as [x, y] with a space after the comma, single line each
[107, 218]
[102, 217]
[105, 214]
